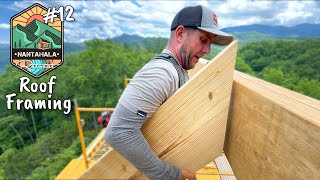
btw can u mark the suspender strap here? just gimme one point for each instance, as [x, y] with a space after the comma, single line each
[169, 58]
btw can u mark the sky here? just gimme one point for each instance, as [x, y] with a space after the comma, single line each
[107, 19]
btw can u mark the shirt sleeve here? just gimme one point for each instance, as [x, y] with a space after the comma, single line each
[149, 88]
[128, 140]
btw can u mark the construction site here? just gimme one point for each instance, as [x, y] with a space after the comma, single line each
[221, 124]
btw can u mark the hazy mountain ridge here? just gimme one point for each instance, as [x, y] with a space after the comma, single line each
[126, 38]
[4, 56]
[245, 34]
[302, 30]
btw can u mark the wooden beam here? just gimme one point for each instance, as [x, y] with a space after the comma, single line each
[272, 133]
[188, 130]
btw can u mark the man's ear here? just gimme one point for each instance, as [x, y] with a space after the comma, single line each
[180, 33]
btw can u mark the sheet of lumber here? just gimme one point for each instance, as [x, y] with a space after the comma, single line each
[191, 72]
[272, 133]
[188, 130]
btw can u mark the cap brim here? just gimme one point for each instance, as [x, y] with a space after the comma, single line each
[222, 38]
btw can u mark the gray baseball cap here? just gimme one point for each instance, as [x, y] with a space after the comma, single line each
[202, 18]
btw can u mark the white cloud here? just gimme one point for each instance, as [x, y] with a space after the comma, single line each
[4, 26]
[4, 42]
[106, 19]
[296, 12]
[288, 13]
[113, 19]
[239, 12]
[153, 18]
[230, 22]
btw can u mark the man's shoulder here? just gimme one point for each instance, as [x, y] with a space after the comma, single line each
[159, 65]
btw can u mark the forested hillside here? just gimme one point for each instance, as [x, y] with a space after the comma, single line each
[292, 64]
[37, 144]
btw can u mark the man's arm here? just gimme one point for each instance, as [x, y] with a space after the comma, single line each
[128, 140]
[150, 87]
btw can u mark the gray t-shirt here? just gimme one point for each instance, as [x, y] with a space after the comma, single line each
[152, 86]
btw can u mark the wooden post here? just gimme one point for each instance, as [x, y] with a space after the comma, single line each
[83, 146]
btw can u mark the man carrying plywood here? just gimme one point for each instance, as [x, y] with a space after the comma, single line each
[193, 30]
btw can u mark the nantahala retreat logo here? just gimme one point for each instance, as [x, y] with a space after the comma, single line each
[36, 43]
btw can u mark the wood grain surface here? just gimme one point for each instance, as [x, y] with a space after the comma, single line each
[273, 133]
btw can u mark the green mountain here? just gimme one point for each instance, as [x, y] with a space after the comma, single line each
[151, 44]
[301, 31]
[28, 37]
[245, 38]
[4, 56]
[37, 28]
[243, 34]
[22, 37]
[126, 38]
[73, 47]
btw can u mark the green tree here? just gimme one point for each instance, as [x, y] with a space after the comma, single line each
[12, 134]
[294, 64]
[308, 87]
[242, 66]
[273, 75]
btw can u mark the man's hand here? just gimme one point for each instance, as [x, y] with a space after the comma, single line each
[186, 175]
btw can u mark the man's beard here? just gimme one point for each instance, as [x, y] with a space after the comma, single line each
[186, 61]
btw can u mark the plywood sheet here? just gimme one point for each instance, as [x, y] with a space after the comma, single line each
[273, 133]
[188, 130]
